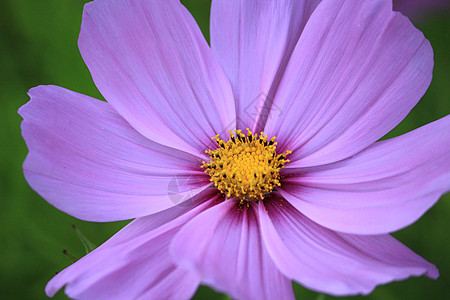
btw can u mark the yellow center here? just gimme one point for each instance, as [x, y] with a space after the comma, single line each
[246, 166]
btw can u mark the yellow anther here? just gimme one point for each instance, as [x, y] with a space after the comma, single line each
[246, 166]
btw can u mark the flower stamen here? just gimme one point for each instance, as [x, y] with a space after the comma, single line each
[246, 166]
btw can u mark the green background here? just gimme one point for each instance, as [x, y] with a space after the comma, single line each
[38, 45]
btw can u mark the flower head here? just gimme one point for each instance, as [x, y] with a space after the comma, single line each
[246, 167]
[293, 185]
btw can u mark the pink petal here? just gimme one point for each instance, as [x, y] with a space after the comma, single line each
[151, 63]
[134, 264]
[86, 160]
[224, 245]
[332, 262]
[253, 41]
[384, 188]
[356, 72]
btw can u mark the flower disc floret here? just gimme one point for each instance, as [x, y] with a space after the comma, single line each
[246, 166]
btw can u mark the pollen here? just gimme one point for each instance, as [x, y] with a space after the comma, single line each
[246, 166]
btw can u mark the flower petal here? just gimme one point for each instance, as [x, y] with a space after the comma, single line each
[224, 245]
[332, 262]
[151, 63]
[86, 160]
[383, 188]
[134, 264]
[356, 72]
[253, 41]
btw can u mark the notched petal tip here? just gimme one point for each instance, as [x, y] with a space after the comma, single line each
[86, 160]
[336, 263]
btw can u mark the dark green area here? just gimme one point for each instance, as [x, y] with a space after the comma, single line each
[38, 46]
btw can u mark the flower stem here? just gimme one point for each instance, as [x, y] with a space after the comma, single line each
[320, 297]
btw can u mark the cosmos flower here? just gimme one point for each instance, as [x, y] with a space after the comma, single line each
[418, 9]
[247, 164]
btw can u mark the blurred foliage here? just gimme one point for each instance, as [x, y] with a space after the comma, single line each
[38, 46]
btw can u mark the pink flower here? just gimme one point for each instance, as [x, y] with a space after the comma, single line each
[417, 9]
[248, 216]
